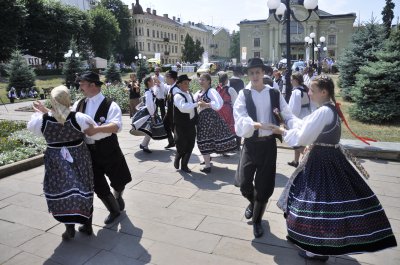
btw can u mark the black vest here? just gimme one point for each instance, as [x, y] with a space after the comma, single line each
[170, 106]
[183, 119]
[331, 132]
[100, 117]
[251, 108]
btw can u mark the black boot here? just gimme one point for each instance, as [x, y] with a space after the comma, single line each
[248, 213]
[87, 227]
[258, 212]
[177, 160]
[112, 206]
[69, 232]
[120, 200]
[185, 161]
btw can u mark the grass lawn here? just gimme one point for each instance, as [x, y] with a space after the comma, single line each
[384, 133]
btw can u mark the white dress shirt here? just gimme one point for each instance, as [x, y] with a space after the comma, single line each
[159, 91]
[185, 106]
[114, 114]
[244, 124]
[296, 102]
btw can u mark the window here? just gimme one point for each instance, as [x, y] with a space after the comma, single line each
[154, 33]
[148, 32]
[154, 47]
[332, 40]
[158, 34]
[148, 46]
[135, 31]
[257, 55]
[158, 47]
[181, 37]
[256, 42]
[332, 22]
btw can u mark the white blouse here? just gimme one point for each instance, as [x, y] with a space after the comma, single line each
[150, 105]
[35, 124]
[244, 124]
[182, 105]
[306, 131]
[216, 100]
[296, 101]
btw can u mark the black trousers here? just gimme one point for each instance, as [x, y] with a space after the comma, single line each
[160, 103]
[109, 160]
[258, 165]
[168, 128]
[185, 138]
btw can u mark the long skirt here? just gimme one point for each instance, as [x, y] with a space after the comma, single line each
[142, 124]
[226, 113]
[332, 211]
[68, 187]
[213, 134]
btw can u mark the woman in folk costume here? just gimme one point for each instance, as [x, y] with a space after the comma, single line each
[300, 104]
[329, 208]
[68, 179]
[146, 117]
[213, 134]
[228, 95]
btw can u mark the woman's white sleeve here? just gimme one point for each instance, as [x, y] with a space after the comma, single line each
[216, 100]
[35, 124]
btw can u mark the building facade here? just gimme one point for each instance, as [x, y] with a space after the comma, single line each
[266, 38]
[164, 37]
[81, 4]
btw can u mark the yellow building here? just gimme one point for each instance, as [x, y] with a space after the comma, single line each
[163, 36]
[267, 38]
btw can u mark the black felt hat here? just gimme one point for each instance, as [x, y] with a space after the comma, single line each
[256, 62]
[182, 78]
[91, 77]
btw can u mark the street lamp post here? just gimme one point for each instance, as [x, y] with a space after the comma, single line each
[315, 48]
[139, 58]
[282, 13]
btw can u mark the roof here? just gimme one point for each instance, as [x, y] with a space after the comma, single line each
[161, 18]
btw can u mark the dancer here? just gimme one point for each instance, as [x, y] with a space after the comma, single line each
[330, 209]
[68, 179]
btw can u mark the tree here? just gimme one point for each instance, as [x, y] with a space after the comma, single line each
[198, 51]
[12, 19]
[104, 31]
[73, 65]
[235, 46]
[21, 75]
[112, 72]
[363, 46]
[49, 27]
[123, 16]
[188, 50]
[387, 17]
[377, 90]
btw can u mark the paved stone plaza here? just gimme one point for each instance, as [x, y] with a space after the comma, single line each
[171, 217]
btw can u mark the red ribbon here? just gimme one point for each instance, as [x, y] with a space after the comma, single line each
[363, 139]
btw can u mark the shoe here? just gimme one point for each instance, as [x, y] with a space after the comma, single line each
[258, 230]
[186, 169]
[293, 164]
[248, 213]
[206, 170]
[145, 149]
[169, 146]
[86, 228]
[120, 200]
[303, 253]
[203, 163]
[184, 163]
[112, 206]
[69, 232]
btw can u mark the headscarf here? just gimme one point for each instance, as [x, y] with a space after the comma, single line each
[61, 102]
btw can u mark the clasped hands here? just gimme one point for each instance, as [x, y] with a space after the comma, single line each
[268, 126]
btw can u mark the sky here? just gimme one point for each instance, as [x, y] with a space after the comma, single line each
[228, 13]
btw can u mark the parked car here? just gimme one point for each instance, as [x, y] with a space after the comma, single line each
[207, 68]
[298, 66]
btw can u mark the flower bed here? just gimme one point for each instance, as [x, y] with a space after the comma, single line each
[17, 143]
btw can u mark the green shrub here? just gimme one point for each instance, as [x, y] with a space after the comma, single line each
[8, 127]
[42, 72]
[119, 94]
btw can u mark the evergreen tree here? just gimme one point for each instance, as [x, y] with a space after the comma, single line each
[377, 90]
[73, 64]
[112, 72]
[235, 46]
[198, 51]
[387, 17]
[21, 75]
[188, 49]
[363, 46]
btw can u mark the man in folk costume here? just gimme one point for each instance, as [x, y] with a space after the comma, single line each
[185, 120]
[171, 87]
[106, 153]
[254, 113]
